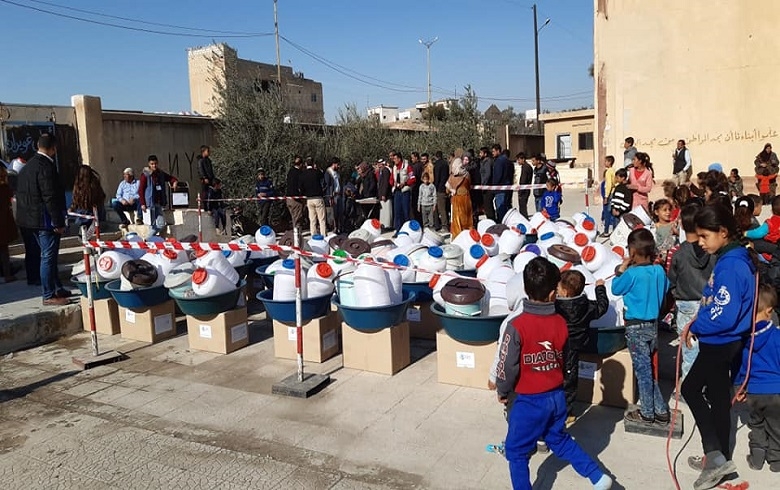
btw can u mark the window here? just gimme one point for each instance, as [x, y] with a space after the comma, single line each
[585, 141]
[314, 97]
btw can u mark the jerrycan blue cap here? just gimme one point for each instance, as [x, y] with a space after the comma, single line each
[414, 225]
[401, 260]
[317, 237]
[266, 230]
[436, 252]
[226, 253]
[476, 251]
[547, 236]
[521, 227]
[533, 248]
[288, 264]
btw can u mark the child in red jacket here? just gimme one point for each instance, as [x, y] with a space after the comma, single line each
[764, 184]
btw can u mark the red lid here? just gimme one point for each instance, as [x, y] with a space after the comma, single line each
[199, 276]
[588, 253]
[376, 223]
[566, 266]
[201, 253]
[170, 254]
[619, 250]
[581, 239]
[324, 269]
[105, 263]
[482, 260]
[434, 280]
[488, 240]
[589, 225]
[474, 234]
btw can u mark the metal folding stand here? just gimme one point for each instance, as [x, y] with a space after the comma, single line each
[97, 359]
[300, 385]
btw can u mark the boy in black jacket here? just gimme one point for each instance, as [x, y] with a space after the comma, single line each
[578, 311]
[622, 197]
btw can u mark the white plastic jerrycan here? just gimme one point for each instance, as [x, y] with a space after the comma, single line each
[208, 282]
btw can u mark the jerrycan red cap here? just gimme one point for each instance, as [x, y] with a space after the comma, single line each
[105, 263]
[170, 254]
[619, 250]
[434, 280]
[474, 234]
[481, 261]
[201, 253]
[199, 276]
[324, 269]
[581, 239]
[566, 266]
[376, 223]
[589, 224]
[588, 253]
[488, 240]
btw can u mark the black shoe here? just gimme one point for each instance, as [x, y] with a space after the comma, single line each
[774, 467]
[755, 459]
[636, 416]
[662, 418]
[63, 293]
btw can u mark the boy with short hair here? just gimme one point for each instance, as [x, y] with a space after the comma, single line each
[643, 286]
[623, 197]
[763, 385]
[551, 200]
[609, 187]
[578, 311]
[426, 201]
[530, 381]
[689, 271]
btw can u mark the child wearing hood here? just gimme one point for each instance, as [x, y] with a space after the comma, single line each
[763, 387]
[578, 311]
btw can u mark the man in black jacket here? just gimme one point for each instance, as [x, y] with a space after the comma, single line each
[295, 206]
[313, 185]
[40, 199]
[503, 173]
[417, 169]
[485, 178]
[526, 177]
[441, 173]
[539, 177]
[205, 171]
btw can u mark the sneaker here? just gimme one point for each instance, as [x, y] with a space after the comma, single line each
[662, 418]
[711, 477]
[755, 459]
[604, 483]
[570, 420]
[606, 234]
[636, 416]
[697, 462]
[541, 447]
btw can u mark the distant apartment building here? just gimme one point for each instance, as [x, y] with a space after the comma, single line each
[391, 114]
[384, 114]
[219, 62]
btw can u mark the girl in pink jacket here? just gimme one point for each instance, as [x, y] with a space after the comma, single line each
[641, 179]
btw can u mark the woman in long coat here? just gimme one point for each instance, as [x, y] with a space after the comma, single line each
[458, 186]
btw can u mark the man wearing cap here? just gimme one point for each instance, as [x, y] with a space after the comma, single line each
[127, 198]
[264, 187]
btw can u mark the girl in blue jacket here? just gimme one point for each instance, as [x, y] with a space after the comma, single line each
[723, 323]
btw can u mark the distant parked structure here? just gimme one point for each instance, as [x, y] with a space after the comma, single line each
[207, 64]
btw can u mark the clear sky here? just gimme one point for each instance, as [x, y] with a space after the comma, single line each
[485, 43]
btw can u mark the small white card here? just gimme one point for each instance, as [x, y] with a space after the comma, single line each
[465, 360]
[588, 370]
[239, 332]
[163, 323]
[329, 340]
[204, 331]
[129, 316]
[292, 333]
[413, 314]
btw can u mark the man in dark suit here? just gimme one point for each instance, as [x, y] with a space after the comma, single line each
[40, 201]
[526, 177]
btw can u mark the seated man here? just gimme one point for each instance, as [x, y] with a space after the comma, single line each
[127, 198]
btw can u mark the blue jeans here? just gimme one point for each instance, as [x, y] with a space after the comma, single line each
[610, 222]
[154, 211]
[49, 243]
[401, 203]
[543, 417]
[120, 210]
[686, 311]
[538, 203]
[503, 203]
[642, 340]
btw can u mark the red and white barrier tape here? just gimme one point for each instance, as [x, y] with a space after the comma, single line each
[77, 215]
[522, 187]
[237, 199]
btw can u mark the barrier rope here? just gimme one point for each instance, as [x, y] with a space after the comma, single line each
[239, 199]
[78, 215]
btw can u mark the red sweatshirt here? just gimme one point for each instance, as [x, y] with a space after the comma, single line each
[764, 183]
[531, 359]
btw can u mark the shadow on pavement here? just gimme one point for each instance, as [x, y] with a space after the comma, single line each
[23, 391]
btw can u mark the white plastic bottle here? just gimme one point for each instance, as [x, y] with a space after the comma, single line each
[472, 257]
[510, 242]
[535, 222]
[236, 258]
[109, 264]
[594, 256]
[284, 282]
[549, 239]
[486, 268]
[208, 282]
[319, 280]
[514, 218]
[497, 286]
[579, 242]
[215, 260]
[318, 245]
[432, 261]
[490, 244]
[466, 239]
[265, 235]
[413, 229]
[340, 264]
[408, 275]
[170, 259]
[396, 285]
[373, 227]
[403, 239]
[521, 260]
[588, 227]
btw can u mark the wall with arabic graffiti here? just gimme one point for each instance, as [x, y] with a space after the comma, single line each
[670, 70]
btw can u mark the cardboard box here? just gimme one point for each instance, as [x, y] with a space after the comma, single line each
[321, 339]
[423, 324]
[607, 380]
[149, 324]
[463, 364]
[222, 333]
[383, 351]
[106, 315]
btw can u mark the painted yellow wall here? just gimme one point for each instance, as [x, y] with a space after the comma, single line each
[706, 71]
[573, 123]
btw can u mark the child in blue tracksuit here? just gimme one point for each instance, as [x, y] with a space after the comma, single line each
[721, 327]
[763, 387]
[530, 369]
[643, 286]
[552, 199]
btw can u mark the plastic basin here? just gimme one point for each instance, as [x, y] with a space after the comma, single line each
[284, 311]
[373, 318]
[268, 279]
[264, 261]
[422, 291]
[209, 306]
[243, 270]
[469, 329]
[98, 292]
[137, 298]
[466, 272]
[607, 340]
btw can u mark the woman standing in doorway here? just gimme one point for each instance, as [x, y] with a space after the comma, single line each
[640, 179]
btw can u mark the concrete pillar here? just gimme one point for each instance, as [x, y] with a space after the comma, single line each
[89, 122]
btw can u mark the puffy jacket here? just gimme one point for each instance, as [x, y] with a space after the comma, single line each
[765, 363]
[540, 177]
[579, 312]
[40, 196]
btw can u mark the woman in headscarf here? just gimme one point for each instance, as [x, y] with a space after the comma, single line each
[458, 186]
[767, 159]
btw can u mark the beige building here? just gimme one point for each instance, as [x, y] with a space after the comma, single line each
[569, 135]
[208, 64]
[702, 71]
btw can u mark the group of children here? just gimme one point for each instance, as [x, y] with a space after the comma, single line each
[712, 278]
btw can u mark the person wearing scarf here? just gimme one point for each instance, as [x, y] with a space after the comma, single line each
[458, 186]
[767, 159]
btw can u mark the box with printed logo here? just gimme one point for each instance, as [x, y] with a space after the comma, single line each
[148, 324]
[106, 315]
[222, 333]
[321, 339]
[463, 363]
[607, 380]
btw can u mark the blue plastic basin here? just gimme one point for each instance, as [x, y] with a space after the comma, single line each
[606, 340]
[422, 291]
[212, 305]
[98, 292]
[268, 279]
[137, 298]
[467, 272]
[284, 311]
[373, 318]
[264, 261]
[469, 328]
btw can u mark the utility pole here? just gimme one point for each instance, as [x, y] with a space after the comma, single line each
[278, 55]
[428, 45]
[536, 64]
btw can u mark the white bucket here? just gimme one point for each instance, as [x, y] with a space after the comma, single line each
[416, 253]
[371, 283]
[453, 255]
[109, 264]
[408, 275]
[413, 229]
[318, 245]
[208, 282]
[372, 226]
[594, 256]
[433, 261]
[431, 238]
[510, 242]
[284, 282]
[319, 280]
[641, 213]
[515, 292]
[215, 260]
[497, 287]
[484, 224]
[473, 256]
[490, 244]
